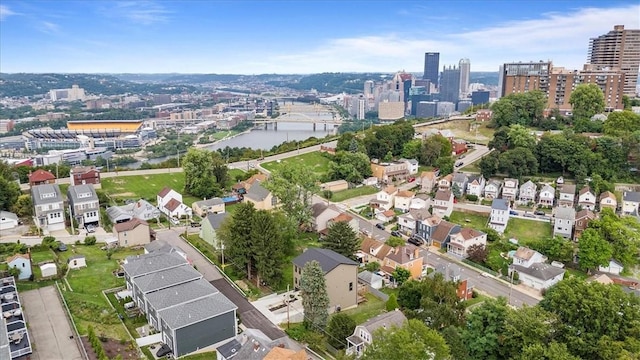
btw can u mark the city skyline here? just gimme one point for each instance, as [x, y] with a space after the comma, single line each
[248, 37]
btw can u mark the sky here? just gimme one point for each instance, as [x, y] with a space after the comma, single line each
[298, 37]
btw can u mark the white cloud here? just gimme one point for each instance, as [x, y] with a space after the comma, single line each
[140, 12]
[561, 37]
[49, 27]
[5, 12]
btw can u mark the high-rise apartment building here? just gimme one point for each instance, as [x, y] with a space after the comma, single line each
[73, 94]
[465, 73]
[431, 67]
[522, 77]
[368, 88]
[450, 84]
[562, 82]
[618, 48]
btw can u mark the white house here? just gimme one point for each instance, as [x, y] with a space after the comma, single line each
[420, 201]
[492, 189]
[408, 222]
[363, 334]
[528, 192]
[49, 207]
[476, 185]
[567, 195]
[526, 257]
[565, 218]
[8, 220]
[371, 279]
[510, 189]
[460, 180]
[547, 195]
[370, 181]
[460, 242]
[443, 203]
[170, 203]
[385, 198]
[613, 267]
[412, 165]
[539, 275]
[587, 198]
[165, 195]
[630, 202]
[445, 182]
[21, 262]
[499, 215]
[402, 200]
[77, 262]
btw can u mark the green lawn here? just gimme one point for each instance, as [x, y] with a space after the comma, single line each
[477, 222]
[365, 311]
[316, 160]
[527, 231]
[86, 302]
[42, 256]
[351, 193]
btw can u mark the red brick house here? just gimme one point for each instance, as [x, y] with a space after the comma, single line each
[85, 175]
[41, 177]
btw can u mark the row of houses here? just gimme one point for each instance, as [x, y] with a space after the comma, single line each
[49, 206]
[78, 175]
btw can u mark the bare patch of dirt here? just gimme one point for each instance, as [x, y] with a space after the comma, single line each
[112, 348]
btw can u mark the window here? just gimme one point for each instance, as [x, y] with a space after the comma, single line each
[351, 286]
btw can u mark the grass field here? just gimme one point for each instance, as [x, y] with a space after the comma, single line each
[527, 230]
[351, 193]
[465, 129]
[42, 256]
[477, 222]
[365, 311]
[87, 304]
[315, 160]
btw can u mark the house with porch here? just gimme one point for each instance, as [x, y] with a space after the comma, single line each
[476, 185]
[48, 207]
[385, 198]
[442, 234]
[583, 218]
[493, 189]
[420, 201]
[402, 200]
[445, 182]
[443, 203]
[510, 189]
[408, 222]
[587, 198]
[527, 193]
[608, 200]
[364, 334]
[460, 242]
[426, 227]
[41, 177]
[85, 205]
[388, 172]
[547, 195]
[567, 195]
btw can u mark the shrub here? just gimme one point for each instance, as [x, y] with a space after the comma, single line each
[472, 197]
[90, 240]
[392, 303]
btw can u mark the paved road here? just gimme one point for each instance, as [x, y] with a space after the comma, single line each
[249, 315]
[480, 152]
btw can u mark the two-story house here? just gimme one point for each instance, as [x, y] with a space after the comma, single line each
[499, 215]
[407, 257]
[85, 205]
[48, 207]
[583, 218]
[385, 198]
[528, 192]
[630, 202]
[41, 177]
[260, 197]
[372, 250]
[402, 200]
[134, 232]
[565, 218]
[608, 200]
[170, 203]
[388, 172]
[442, 234]
[340, 273]
[567, 195]
[445, 182]
[412, 165]
[427, 180]
[460, 242]
[321, 213]
[408, 222]
[460, 180]
[526, 257]
[426, 227]
[587, 198]
[209, 228]
[420, 201]
[493, 189]
[476, 185]
[80, 175]
[363, 335]
[443, 203]
[510, 189]
[547, 195]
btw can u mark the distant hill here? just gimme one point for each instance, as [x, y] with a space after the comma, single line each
[484, 77]
[330, 82]
[27, 84]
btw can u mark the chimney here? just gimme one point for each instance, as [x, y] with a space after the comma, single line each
[256, 346]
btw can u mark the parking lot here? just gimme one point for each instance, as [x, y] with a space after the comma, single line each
[49, 328]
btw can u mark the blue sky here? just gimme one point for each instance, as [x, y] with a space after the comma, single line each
[252, 37]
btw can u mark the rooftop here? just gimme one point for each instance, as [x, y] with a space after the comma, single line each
[129, 225]
[179, 294]
[540, 271]
[500, 204]
[167, 278]
[215, 220]
[196, 310]
[328, 259]
[40, 194]
[257, 192]
[150, 263]
[209, 202]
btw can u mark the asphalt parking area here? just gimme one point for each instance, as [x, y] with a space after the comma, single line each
[50, 331]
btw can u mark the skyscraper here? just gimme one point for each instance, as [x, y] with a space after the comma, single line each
[522, 77]
[450, 84]
[431, 67]
[465, 72]
[618, 48]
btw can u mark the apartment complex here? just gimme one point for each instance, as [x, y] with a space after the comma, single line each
[618, 48]
[522, 77]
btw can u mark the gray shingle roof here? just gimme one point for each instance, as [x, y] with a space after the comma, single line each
[74, 192]
[118, 214]
[500, 204]
[391, 318]
[38, 190]
[179, 294]
[8, 215]
[631, 196]
[539, 270]
[368, 277]
[158, 245]
[328, 259]
[215, 220]
[566, 213]
[568, 189]
[460, 178]
[257, 192]
[168, 277]
[150, 263]
[196, 311]
[209, 202]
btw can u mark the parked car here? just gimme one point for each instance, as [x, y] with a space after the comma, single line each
[62, 247]
[540, 212]
[415, 241]
[380, 226]
[513, 212]
[396, 233]
[411, 179]
[91, 229]
[164, 351]
[195, 224]
[461, 156]
[459, 163]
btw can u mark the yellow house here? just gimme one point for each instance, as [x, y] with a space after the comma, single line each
[132, 233]
[261, 198]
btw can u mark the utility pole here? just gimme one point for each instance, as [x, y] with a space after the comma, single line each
[511, 286]
[288, 302]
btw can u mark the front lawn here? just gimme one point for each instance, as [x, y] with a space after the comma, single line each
[316, 160]
[474, 221]
[351, 193]
[527, 231]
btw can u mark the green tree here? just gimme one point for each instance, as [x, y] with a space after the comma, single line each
[410, 294]
[413, 340]
[453, 336]
[235, 233]
[395, 241]
[489, 164]
[400, 275]
[205, 173]
[552, 351]
[411, 150]
[556, 248]
[315, 299]
[339, 328]
[23, 206]
[268, 247]
[294, 185]
[342, 239]
[500, 141]
[392, 303]
[621, 122]
[9, 193]
[372, 266]
[528, 326]
[622, 233]
[520, 136]
[586, 100]
[484, 332]
[518, 162]
[593, 250]
[433, 148]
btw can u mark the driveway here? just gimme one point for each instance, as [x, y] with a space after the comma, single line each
[249, 315]
[49, 327]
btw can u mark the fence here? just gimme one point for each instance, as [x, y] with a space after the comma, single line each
[73, 324]
[377, 293]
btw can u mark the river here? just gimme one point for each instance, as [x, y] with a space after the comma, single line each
[261, 139]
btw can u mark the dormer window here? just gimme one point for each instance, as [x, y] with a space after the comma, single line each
[84, 195]
[47, 195]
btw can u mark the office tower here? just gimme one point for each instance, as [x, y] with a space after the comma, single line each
[417, 95]
[463, 105]
[450, 84]
[426, 109]
[480, 97]
[563, 81]
[618, 48]
[368, 88]
[522, 77]
[465, 73]
[431, 67]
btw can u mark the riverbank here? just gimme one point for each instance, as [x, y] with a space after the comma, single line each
[227, 137]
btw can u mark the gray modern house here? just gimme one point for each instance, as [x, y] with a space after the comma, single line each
[48, 207]
[190, 313]
[84, 205]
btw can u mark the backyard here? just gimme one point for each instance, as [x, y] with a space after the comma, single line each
[316, 160]
[475, 221]
[527, 231]
[351, 193]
